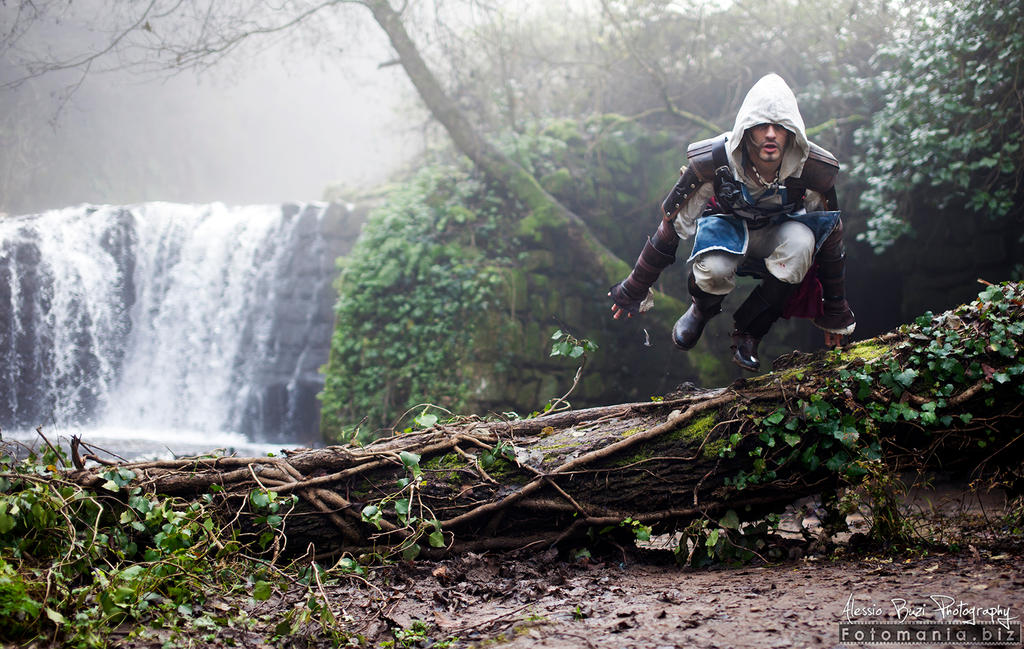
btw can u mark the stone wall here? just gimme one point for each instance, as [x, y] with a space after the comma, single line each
[282, 404]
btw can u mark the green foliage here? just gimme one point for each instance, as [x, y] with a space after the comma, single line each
[75, 564]
[17, 608]
[942, 356]
[415, 635]
[640, 531]
[403, 510]
[706, 541]
[951, 133]
[883, 490]
[441, 301]
[411, 296]
[842, 429]
[569, 346]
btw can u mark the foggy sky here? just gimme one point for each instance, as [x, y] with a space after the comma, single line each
[267, 127]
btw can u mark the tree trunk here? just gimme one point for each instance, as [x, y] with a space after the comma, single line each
[814, 423]
[544, 209]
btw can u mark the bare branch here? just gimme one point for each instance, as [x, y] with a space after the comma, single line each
[657, 75]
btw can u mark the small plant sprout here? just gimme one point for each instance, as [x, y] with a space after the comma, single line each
[568, 346]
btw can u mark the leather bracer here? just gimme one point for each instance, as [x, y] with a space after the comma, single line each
[658, 253]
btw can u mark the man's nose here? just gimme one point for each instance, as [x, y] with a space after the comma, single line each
[770, 133]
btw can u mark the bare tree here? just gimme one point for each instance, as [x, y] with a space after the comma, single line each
[174, 35]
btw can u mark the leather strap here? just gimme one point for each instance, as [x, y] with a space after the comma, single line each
[687, 184]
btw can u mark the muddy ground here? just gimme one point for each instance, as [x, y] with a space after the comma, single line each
[520, 602]
[797, 603]
[640, 598]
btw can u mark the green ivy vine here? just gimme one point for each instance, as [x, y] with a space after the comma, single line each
[942, 361]
[950, 133]
[424, 273]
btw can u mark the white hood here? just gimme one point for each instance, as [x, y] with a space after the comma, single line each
[771, 100]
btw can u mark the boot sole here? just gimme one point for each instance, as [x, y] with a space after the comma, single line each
[746, 367]
[683, 347]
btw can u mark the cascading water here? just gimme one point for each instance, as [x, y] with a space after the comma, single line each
[169, 317]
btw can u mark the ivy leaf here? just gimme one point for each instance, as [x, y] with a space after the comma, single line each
[486, 459]
[411, 552]
[906, 377]
[712, 539]
[730, 521]
[411, 462]
[402, 507]
[55, 617]
[426, 420]
[261, 591]
[372, 514]
[837, 462]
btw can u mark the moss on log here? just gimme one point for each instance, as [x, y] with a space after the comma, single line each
[944, 392]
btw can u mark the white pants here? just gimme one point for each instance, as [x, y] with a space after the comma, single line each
[787, 249]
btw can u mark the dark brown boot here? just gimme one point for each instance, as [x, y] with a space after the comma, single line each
[690, 326]
[837, 317]
[744, 352]
[755, 317]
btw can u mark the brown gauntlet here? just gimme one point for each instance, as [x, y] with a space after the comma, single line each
[658, 253]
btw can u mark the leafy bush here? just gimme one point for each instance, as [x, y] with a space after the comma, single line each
[423, 274]
[76, 564]
[951, 132]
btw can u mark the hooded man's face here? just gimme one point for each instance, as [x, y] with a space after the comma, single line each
[766, 142]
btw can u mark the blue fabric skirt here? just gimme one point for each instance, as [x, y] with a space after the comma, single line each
[728, 233]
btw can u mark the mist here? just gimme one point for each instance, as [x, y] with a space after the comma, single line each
[270, 126]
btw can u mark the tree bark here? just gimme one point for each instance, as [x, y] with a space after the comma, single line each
[479, 484]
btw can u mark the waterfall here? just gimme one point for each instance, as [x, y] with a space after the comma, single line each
[168, 316]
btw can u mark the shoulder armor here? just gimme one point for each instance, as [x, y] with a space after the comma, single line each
[820, 170]
[687, 184]
[701, 158]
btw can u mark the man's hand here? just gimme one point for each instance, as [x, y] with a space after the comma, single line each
[832, 341]
[623, 303]
[617, 310]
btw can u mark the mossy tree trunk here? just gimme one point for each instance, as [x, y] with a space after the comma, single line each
[943, 393]
[545, 212]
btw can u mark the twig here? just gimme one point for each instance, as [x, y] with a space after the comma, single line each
[476, 462]
[76, 458]
[56, 455]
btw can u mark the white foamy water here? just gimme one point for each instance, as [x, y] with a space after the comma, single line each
[171, 324]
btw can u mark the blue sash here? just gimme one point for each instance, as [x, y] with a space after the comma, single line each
[728, 233]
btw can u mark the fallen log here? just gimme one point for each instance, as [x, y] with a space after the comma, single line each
[944, 392]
